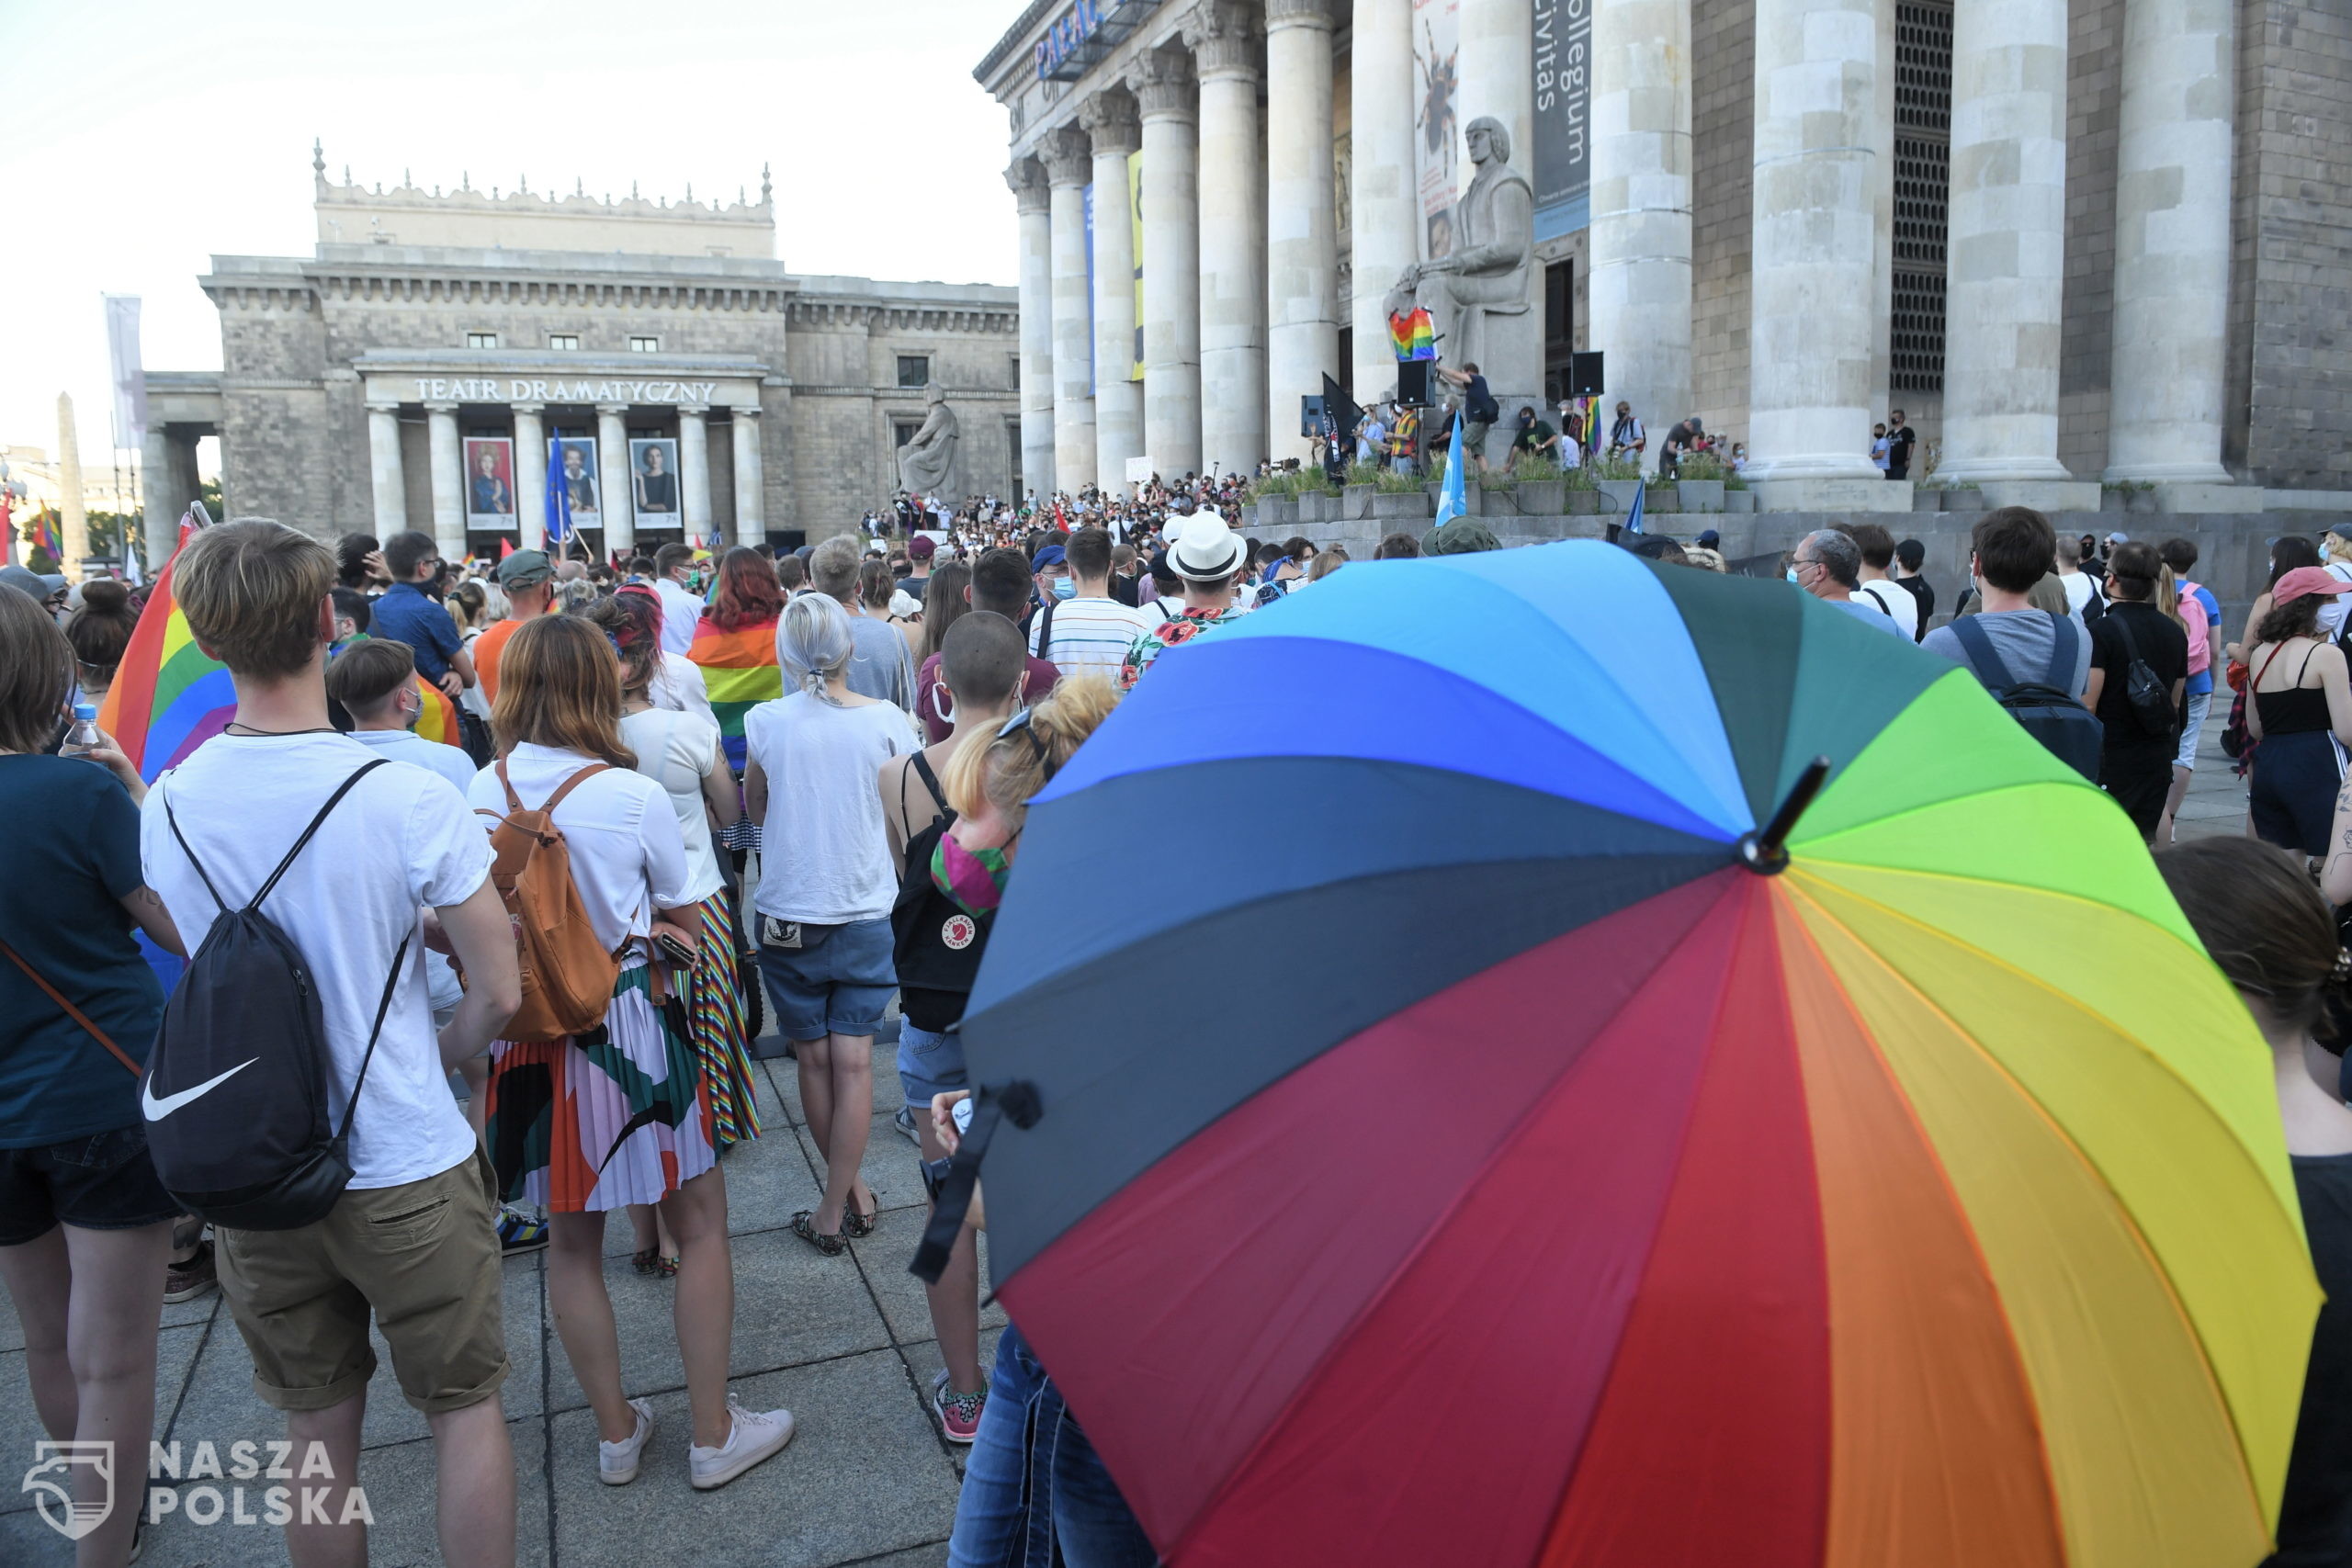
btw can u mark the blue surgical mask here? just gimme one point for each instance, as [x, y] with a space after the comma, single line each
[1065, 588]
[1793, 574]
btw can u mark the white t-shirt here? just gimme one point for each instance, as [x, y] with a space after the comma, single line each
[407, 746]
[824, 852]
[1091, 636]
[400, 839]
[1897, 601]
[679, 687]
[680, 611]
[2079, 589]
[677, 750]
[627, 857]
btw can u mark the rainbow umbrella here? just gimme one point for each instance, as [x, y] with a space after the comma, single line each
[1589, 1145]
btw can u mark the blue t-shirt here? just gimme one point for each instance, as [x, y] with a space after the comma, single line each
[74, 854]
[407, 613]
[1871, 614]
[2200, 682]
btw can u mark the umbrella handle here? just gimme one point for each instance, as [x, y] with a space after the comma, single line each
[1017, 1100]
[1767, 852]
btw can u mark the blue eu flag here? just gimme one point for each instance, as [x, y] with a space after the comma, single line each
[558, 496]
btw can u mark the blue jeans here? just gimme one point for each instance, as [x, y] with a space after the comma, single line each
[1034, 1481]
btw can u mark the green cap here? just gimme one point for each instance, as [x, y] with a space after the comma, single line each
[524, 568]
[1462, 536]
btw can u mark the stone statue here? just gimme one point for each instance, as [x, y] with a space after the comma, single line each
[927, 463]
[1485, 275]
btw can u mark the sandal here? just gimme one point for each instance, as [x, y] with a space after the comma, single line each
[804, 1226]
[857, 1227]
[666, 1267]
[648, 1262]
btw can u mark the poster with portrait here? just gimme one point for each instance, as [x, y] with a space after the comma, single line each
[1437, 120]
[490, 482]
[575, 460]
[653, 482]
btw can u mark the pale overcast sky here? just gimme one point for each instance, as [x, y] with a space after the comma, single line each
[142, 137]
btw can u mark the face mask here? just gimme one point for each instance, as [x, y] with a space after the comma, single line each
[943, 703]
[1793, 574]
[1065, 588]
[973, 878]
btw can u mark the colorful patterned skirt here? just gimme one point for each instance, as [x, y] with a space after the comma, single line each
[615, 1116]
[719, 1024]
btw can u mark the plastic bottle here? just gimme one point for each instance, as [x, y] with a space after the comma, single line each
[84, 736]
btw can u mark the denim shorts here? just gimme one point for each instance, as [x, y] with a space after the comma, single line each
[2199, 704]
[838, 981]
[928, 1064]
[104, 1181]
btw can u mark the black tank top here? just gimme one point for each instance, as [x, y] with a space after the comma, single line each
[2297, 710]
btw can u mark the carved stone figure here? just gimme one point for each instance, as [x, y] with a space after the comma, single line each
[1477, 295]
[927, 463]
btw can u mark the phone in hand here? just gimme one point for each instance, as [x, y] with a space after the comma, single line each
[673, 948]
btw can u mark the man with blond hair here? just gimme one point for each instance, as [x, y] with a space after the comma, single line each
[881, 666]
[410, 1242]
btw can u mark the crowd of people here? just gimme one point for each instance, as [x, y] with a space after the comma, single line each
[687, 793]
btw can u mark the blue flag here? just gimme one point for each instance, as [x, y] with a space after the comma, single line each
[1454, 501]
[1634, 513]
[559, 495]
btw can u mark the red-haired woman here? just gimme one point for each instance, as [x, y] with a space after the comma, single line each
[735, 644]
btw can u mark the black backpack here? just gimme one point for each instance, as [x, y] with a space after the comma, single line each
[2046, 710]
[2148, 698]
[937, 945]
[251, 1150]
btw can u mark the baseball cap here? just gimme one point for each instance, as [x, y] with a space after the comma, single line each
[921, 547]
[2118, 537]
[40, 584]
[524, 568]
[1052, 555]
[2305, 580]
[1709, 538]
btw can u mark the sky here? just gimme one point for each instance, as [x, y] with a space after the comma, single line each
[140, 138]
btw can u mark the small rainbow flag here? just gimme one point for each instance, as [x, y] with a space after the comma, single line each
[740, 669]
[438, 721]
[169, 696]
[1412, 334]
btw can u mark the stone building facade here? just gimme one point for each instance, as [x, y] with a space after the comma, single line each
[355, 378]
[2103, 240]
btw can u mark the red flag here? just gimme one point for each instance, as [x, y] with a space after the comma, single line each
[505, 548]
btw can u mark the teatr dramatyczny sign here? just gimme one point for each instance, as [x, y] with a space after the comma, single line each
[515, 390]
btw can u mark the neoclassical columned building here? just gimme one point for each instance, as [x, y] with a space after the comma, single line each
[2076, 242]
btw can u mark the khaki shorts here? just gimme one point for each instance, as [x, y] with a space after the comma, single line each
[424, 1256]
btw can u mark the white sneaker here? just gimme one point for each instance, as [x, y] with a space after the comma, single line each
[757, 1435]
[616, 1462]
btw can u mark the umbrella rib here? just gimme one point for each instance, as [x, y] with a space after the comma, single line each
[2131, 1221]
[1438, 1226]
[1943, 1177]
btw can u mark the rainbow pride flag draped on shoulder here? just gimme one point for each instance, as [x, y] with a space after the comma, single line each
[740, 669]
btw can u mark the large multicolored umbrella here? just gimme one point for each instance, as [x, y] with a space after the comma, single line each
[1519, 1157]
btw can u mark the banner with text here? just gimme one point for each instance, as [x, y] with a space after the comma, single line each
[1563, 104]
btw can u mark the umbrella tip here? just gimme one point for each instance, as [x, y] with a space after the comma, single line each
[1765, 851]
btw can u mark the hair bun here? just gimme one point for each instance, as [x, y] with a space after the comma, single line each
[105, 595]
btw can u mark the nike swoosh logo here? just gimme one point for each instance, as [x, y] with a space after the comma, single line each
[156, 1110]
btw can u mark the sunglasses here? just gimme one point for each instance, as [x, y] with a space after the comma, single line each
[1020, 721]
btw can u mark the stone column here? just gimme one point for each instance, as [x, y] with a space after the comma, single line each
[159, 498]
[616, 505]
[385, 478]
[75, 522]
[530, 477]
[447, 480]
[1383, 204]
[1302, 233]
[2172, 242]
[1813, 267]
[1222, 34]
[1171, 263]
[1035, 200]
[1640, 277]
[1109, 117]
[694, 470]
[751, 484]
[1070, 164]
[2007, 248]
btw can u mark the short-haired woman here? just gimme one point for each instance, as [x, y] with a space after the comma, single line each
[620, 1114]
[826, 888]
[2275, 938]
[86, 1226]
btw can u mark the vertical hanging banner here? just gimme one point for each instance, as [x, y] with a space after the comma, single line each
[1563, 102]
[1437, 120]
[130, 378]
[1135, 225]
[1093, 370]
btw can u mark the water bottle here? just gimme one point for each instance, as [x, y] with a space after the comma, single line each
[84, 736]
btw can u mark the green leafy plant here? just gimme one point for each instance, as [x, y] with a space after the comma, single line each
[1614, 469]
[1705, 466]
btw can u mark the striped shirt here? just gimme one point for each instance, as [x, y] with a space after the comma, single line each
[1090, 637]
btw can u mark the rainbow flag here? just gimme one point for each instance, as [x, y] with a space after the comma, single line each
[1412, 334]
[740, 669]
[439, 719]
[169, 696]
